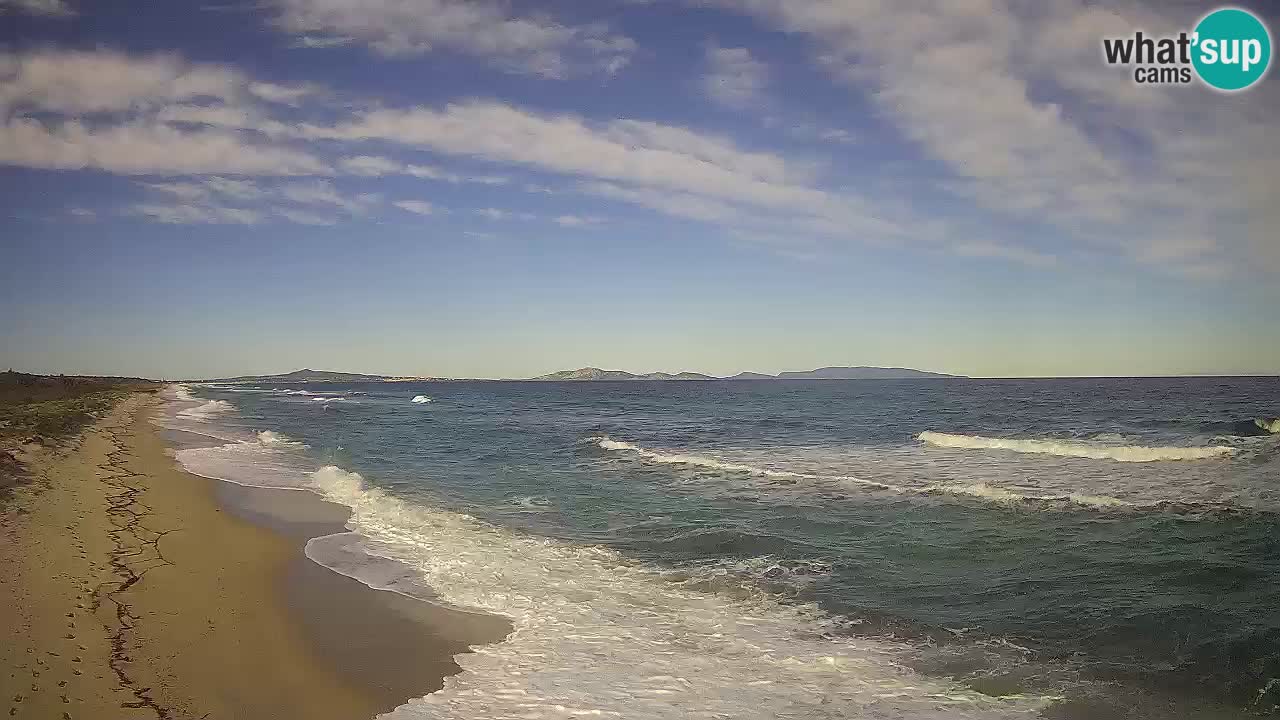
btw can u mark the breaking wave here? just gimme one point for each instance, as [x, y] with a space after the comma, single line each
[1065, 448]
[275, 439]
[598, 635]
[712, 463]
[1002, 493]
[207, 409]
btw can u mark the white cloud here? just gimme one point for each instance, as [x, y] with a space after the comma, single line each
[661, 157]
[370, 165]
[734, 78]
[431, 172]
[493, 213]
[377, 166]
[223, 116]
[715, 149]
[1013, 99]
[418, 207]
[133, 115]
[142, 148]
[532, 44]
[50, 8]
[183, 190]
[314, 41]
[323, 192]
[188, 214]
[678, 204]
[204, 188]
[303, 217]
[577, 220]
[82, 214]
[238, 189]
[810, 132]
[282, 94]
[73, 81]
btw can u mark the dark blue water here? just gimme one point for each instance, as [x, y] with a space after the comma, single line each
[1111, 544]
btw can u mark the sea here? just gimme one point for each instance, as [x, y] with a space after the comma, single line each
[935, 548]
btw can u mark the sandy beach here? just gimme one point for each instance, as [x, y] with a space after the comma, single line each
[133, 589]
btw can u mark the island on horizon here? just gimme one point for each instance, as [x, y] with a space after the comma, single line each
[589, 374]
[309, 375]
[825, 373]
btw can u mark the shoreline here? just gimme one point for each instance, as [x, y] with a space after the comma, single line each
[139, 590]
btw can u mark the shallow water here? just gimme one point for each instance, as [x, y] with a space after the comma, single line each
[936, 548]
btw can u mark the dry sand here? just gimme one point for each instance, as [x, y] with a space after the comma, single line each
[126, 591]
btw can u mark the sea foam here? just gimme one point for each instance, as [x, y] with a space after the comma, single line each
[977, 490]
[597, 635]
[712, 463]
[207, 409]
[275, 439]
[1064, 448]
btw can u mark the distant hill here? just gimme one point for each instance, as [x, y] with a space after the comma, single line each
[590, 373]
[827, 373]
[677, 376]
[309, 375]
[860, 373]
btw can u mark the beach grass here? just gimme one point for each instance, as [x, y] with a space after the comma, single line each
[50, 409]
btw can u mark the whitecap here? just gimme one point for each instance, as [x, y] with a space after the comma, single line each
[596, 634]
[274, 439]
[206, 409]
[1064, 448]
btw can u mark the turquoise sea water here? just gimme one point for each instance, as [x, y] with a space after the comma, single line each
[804, 549]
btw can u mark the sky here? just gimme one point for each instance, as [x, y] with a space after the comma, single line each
[500, 189]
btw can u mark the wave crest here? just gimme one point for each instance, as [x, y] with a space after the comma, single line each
[207, 409]
[597, 635]
[1064, 448]
[275, 439]
[700, 461]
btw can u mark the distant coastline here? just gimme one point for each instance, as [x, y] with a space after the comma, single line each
[589, 374]
[307, 375]
[593, 374]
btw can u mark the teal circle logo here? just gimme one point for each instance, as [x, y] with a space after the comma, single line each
[1231, 49]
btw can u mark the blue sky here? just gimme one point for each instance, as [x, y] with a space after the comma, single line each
[503, 189]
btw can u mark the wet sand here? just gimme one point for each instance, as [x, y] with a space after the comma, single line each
[132, 589]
